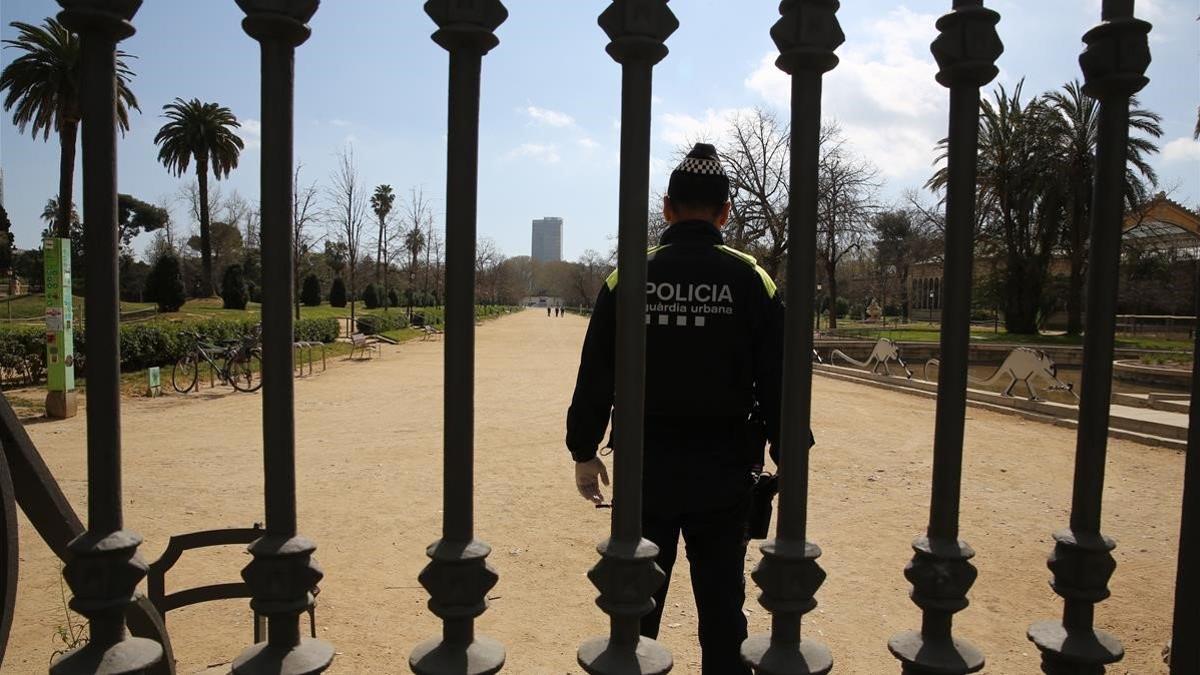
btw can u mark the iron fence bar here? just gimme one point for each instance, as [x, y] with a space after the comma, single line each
[806, 34]
[282, 573]
[626, 574]
[104, 568]
[1114, 63]
[940, 570]
[458, 576]
[1185, 649]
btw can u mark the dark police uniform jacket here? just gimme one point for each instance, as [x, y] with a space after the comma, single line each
[714, 344]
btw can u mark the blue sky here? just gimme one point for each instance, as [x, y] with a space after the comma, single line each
[370, 77]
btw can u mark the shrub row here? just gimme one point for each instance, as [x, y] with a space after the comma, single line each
[152, 343]
[370, 324]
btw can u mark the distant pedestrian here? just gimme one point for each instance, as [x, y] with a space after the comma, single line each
[547, 310]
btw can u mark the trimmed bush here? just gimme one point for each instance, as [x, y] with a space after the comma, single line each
[164, 284]
[310, 294]
[370, 324]
[393, 298]
[234, 294]
[371, 297]
[150, 343]
[337, 293]
[317, 330]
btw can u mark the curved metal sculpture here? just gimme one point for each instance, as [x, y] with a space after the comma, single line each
[1021, 365]
[884, 352]
[8, 553]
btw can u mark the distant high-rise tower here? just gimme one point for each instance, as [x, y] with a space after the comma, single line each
[547, 239]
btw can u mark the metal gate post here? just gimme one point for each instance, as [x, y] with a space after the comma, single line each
[807, 34]
[282, 574]
[1114, 65]
[1185, 650]
[458, 576]
[940, 571]
[627, 575]
[105, 567]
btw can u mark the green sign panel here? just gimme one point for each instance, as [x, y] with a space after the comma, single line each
[153, 381]
[60, 316]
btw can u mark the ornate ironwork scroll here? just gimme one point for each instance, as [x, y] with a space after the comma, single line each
[104, 567]
[627, 575]
[1114, 63]
[807, 35]
[458, 576]
[282, 574]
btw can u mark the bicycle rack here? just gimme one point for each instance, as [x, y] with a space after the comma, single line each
[306, 347]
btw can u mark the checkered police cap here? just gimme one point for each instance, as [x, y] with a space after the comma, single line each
[699, 179]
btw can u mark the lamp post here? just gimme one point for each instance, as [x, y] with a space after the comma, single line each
[818, 307]
[929, 306]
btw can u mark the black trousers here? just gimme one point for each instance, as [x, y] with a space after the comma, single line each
[716, 554]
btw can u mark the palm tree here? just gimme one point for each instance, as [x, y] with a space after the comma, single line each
[43, 85]
[1077, 127]
[1020, 198]
[414, 242]
[51, 211]
[203, 131]
[381, 204]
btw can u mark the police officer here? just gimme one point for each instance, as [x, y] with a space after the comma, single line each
[713, 348]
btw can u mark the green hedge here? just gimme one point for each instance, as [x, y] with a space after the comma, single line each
[150, 343]
[370, 324]
[436, 316]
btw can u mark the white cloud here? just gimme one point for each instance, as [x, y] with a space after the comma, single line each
[883, 93]
[681, 129]
[1184, 149]
[1148, 10]
[546, 153]
[339, 123]
[548, 118]
[251, 133]
[588, 144]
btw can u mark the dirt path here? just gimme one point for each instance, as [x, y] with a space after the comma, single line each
[369, 469]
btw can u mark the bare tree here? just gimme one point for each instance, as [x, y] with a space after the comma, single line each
[347, 215]
[755, 154]
[414, 214]
[589, 272]
[488, 260]
[305, 211]
[435, 268]
[846, 189]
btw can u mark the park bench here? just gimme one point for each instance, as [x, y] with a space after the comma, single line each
[429, 332]
[359, 342]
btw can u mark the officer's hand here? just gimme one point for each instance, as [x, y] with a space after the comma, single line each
[586, 482]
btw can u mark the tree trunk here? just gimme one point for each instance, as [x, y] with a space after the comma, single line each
[379, 256]
[206, 282]
[296, 281]
[67, 136]
[1075, 295]
[1078, 255]
[1023, 286]
[831, 281]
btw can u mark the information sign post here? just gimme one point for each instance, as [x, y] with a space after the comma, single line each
[60, 334]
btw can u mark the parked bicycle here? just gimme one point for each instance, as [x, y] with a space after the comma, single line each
[236, 362]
